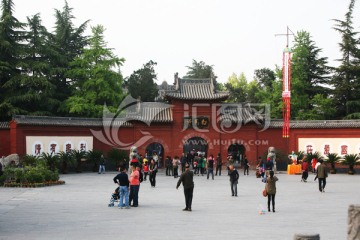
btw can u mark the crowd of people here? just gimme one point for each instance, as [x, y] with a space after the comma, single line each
[191, 164]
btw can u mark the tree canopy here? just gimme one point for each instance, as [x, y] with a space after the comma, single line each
[141, 83]
[64, 72]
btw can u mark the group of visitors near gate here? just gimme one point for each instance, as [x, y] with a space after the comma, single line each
[191, 164]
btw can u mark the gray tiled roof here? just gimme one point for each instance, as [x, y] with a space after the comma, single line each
[195, 89]
[66, 121]
[243, 113]
[4, 125]
[278, 123]
[150, 112]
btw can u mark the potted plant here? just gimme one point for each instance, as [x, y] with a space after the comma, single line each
[79, 156]
[333, 158]
[117, 156]
[66, 159]
[52, 160]
[29, 160]
[351, 160]
[94, 157]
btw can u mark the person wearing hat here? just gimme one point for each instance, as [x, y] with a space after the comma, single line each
[186, 178]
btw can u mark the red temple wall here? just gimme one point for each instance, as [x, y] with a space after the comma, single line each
[4, 142]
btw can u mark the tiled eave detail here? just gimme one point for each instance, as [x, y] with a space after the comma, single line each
[195, 89]
[317, 124]
[151, 113]
[4, 125]
[67, 121]
[197, 94]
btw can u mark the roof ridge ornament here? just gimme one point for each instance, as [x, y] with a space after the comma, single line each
[176, 81]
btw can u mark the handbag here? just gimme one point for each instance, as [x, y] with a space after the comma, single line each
[264, 193]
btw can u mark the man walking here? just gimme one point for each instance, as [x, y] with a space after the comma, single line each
[234, 177]
[186, 179]
[102, 164]
[210, 167]
[218, 165]
[322, 175]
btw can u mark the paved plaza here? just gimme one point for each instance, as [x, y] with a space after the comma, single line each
[78, 209]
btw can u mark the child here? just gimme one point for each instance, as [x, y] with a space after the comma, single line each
[195, 163]
[145, 169]
[114, 197]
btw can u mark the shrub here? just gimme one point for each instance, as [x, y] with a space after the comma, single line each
[29, 160]
[33, 175]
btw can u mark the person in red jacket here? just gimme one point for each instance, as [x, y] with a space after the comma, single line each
[145, 169]
[305, 173]
[134, 186]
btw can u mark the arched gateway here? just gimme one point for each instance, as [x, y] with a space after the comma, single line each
[237, 151]
[196, 144]
[157, 148]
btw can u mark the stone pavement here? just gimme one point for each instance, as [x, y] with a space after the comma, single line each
[78, 209]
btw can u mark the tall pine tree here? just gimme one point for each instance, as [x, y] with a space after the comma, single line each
[346, 81]
[309, 76]
[95, 81]
[12, 36]
[67, 43]
[32, 93]
[141, 83]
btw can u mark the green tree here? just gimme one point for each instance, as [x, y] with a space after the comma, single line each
[94, 80]
[270, 89]
[32, 93]
[67, 42]
[346, 80]
[12, 37]
[141, 83]
[265, 77]
[309, 74]
[252, 90]
[199, 70]
[237, 87]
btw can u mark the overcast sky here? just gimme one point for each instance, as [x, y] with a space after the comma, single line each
[234, 36]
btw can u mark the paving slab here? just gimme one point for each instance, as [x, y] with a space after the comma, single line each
[78, 209]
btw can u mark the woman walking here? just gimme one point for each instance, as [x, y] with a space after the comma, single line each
[271, 190]
[153, 171]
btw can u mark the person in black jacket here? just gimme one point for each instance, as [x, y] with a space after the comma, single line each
[234, 177]
[152, 171]
[122, 180]
[246, 166]
[186, 178]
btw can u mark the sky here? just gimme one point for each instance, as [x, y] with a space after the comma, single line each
[234, 36]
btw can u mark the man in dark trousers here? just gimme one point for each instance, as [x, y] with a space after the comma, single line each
[322, 175]
[186, 179]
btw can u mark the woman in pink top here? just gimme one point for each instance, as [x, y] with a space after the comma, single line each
[134, 186]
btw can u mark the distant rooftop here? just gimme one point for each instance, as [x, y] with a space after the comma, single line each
[4, 125]
[278, 123]
[195, 89]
